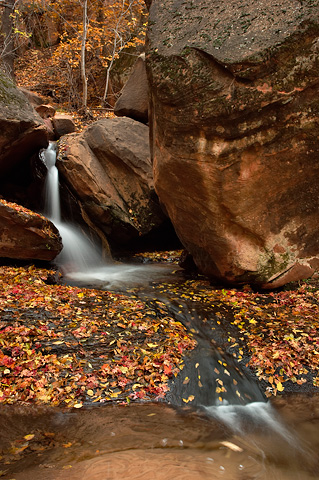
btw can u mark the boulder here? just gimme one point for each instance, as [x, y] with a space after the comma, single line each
[108, 168]
[133, 101]
[27, 235]
[45, 111]
[22, 130]
[32, 97]
[234, 119]
[62, 124]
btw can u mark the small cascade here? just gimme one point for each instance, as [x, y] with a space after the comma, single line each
[52, 198]
[78, 253]
[80, 260]
[215, 383]
[252, 417]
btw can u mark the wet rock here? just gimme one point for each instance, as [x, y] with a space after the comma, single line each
[234, 129]
[27, 235]
[133, 101]
[22, 130]
[108, 168]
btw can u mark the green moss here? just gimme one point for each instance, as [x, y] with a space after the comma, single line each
[9, 94]
[270, 265]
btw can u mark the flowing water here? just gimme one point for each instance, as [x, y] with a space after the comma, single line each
[236, 436]
[158, 442]
[80, 260]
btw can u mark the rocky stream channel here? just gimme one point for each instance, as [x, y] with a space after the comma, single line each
[212, 420]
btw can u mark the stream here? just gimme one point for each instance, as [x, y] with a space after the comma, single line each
[231, 432]
[160, 442]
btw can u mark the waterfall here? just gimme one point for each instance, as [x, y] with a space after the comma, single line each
[80, 260]
[52, 199]
[78, 254]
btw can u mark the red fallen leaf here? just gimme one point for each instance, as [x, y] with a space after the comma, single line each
[7, 361]
[167, 369]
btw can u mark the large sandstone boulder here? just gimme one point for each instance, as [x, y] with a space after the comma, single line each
[133, 101]
[108, 168]
[22, 131]
[27, 235]
[234, 128]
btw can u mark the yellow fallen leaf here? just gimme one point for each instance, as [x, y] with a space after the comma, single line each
[78, 405]
[136, 385]
[90, 393]
[280, 387]
[123, 369]
[232, 446]
[189, 399]
[115, 394]
[29, 437]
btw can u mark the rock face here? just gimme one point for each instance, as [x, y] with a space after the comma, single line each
[234, 133]
[107, 167]
[27, 235]
[22, 130]
[133, 102]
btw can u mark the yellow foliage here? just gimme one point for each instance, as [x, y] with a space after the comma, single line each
[111, 27]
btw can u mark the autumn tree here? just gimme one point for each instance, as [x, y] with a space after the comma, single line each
[91, 36]
[7, 52]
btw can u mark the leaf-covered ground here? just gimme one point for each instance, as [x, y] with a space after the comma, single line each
[276, 334]
[66, 345]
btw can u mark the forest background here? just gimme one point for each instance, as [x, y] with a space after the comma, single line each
[76, 52]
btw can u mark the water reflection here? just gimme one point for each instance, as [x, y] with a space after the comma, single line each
[153, 441]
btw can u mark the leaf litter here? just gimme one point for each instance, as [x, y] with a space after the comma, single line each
[67, 345]
[72, 346]
[273, 333]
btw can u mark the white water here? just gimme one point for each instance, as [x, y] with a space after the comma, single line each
[52, 196]
[80, 260]
[253, 417]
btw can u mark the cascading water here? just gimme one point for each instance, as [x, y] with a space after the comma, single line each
[78, 254]
[80, 260]
[218, 385]
[52, 197]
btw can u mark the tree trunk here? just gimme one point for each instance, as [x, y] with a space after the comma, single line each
[7, 54]
[83, 69]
